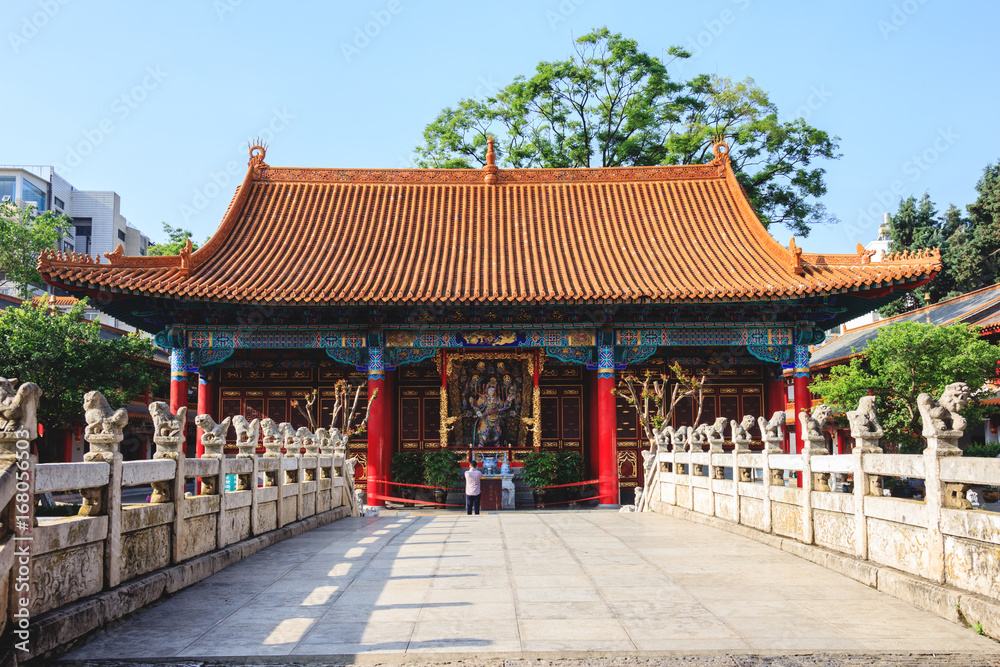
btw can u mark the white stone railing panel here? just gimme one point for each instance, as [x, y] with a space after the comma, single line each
[236, 499]
[895, 465]
[833, 502]
[201, 467]
[198, 505]
[971, 470]
[52, 477]
[897, 510]
[67, 532]
[135, 473]
[784, 462]
[838, 463]
[140, 517]
[237, 466]
[789, 495]
[981, 526]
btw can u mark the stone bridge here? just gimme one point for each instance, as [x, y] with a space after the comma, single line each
[743, 552]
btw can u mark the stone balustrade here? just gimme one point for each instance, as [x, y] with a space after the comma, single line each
[778, 498]
[118, 552]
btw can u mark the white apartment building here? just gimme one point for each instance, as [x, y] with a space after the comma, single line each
[97, 223]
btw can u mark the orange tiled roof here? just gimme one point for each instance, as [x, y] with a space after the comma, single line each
[396, 237]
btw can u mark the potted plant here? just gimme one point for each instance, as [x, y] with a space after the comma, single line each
[442, 471]
[540, 470]
[408, 468]
[569, 471]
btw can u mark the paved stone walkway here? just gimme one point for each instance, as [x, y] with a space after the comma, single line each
[557, 584]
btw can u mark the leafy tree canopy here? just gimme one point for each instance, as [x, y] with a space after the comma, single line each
[24, 234]
[970, 244]
[177, 238]
[612, 104]
[903, 361]
[64, 355]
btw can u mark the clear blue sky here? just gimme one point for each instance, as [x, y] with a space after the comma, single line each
[163, 96]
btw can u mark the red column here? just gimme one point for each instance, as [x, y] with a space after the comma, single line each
[67, 446]
[803, 399]
[206, 406]
[389, 430]
[607, 434]
[178, 382]
[775, 394]
[376, 426]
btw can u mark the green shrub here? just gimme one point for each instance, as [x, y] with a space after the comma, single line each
[441, 468]
[988, 450]
[540, 469]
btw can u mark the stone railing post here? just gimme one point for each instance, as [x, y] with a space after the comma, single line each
[867, 433]
[247, 437]
[169, 437]
[104, 434]
[292, 476]
[213, 440]
[813, 444]
[18, 428]
[715, 438]
[741, 445]
[943, 426]
[772, 433]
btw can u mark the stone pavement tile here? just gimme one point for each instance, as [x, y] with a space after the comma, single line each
[304, 585]
[644, 593]
[603, 646]
[323, 650]
[269, 616]
[653, 641]
[321, 596]
[752, 606]
[500, 629]
[451, 595]
[338, 632]
[403, 613]
[679, 626]
[573, 630]
[641, 611]
[392, 583]
[557, 595]
[551, 581]
[472, 647]
[486, 610]
[810, 644]
[469, 579]
[565, 610]
[370, 597]
[972, 644]
[845, 589]
[139, 640]
[752, 627]
[275, 638]
[933, 628]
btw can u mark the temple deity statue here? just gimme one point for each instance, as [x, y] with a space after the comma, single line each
[490, 404]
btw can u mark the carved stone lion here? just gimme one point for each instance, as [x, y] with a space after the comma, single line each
[247, 435]
[288, 439]
[304, 439]
[864, 420]
[812, 425]
[741, 429]
[104, 427]
[941, 418]
[272, 438]
[18, 408]
[212, 433]
[165, 423]
[773, 429]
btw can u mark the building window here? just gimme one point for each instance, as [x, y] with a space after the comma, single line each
[7, 187]
[83, 227]
[60, 204]
[34, 195]
[121, 235]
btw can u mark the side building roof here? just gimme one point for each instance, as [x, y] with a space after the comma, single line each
[316, 237]
[979, 308]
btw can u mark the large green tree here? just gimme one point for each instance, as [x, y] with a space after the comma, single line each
[24, 234]
[64, 354]
[612, 104]
[970, 244]
[903, 361]
[176, 239]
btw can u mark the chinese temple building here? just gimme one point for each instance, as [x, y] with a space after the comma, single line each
[492, 309]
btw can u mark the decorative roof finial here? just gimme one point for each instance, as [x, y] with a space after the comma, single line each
[720, 147]
[491, 168]
[258, 149]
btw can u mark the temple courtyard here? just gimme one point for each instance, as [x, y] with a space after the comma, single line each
[528, 584]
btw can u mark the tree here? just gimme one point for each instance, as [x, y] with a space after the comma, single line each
[24, 234]
[970, 245]
[177, 239]
[611, 104]
[65, 355]
[903, 361]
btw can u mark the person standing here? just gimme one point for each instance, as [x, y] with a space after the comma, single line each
[473, 490]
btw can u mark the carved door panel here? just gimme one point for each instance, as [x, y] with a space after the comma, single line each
[419, 418]
[562, 417]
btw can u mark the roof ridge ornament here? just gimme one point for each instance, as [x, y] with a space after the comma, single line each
[258, 149]
[491, 169]
[796, 259]
[720, 148]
